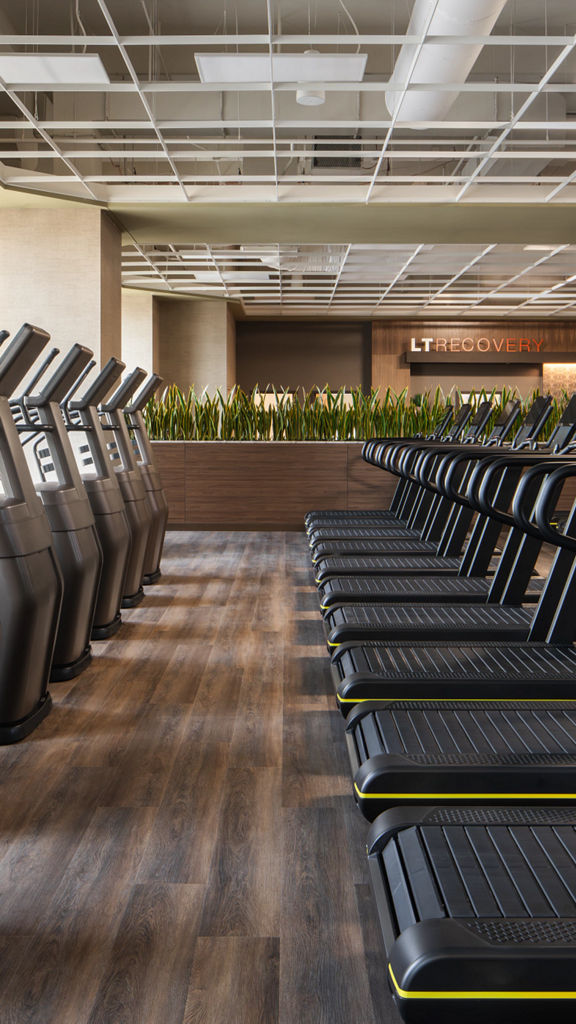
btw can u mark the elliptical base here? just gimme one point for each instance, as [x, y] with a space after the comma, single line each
[104, 632]
[61, 673]
[133, 600]
[152, 577]
[13, 732]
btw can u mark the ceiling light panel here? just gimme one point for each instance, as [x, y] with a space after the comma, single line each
[53, 68]
[286, 67]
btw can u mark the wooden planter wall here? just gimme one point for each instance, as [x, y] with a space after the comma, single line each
[265, 485]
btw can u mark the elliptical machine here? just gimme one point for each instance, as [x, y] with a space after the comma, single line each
[103, 490]
[138, 509]
[30, 579]
[151, 478]
[68, 509]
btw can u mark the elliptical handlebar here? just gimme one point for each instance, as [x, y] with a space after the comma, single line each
[61, 381]
[90, 366]
[125, 391]
[101, 386]
[19, 356]
[146, 393]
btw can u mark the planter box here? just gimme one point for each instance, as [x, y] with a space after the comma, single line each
[265, 485]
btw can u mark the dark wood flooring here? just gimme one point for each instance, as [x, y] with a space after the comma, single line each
[178, 841]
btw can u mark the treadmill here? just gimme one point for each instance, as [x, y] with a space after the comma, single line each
[536, 669]
[103, 490]
[477, 751]
[477, 908]
[414, 535]
[68, 509]
[335, 516]
[503, 614]
[337, 584]
[402, 527]
[30, 579]
[151, 478]
[430, 518]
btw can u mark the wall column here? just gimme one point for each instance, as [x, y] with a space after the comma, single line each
[195, 344]
[138, 329]
[60, 270]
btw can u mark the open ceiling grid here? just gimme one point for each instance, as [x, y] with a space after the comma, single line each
[365, 280]
[158, 133]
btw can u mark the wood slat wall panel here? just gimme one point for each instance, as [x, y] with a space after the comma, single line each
[267, 485]
[257, 485]
[368, 486]
[169, 456]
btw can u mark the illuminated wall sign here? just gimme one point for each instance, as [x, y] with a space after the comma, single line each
[465, 344]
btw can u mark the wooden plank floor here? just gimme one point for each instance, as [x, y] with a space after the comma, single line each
[178, 840]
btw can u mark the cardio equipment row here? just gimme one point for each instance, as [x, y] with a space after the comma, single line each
[455, 670]
[82, 516]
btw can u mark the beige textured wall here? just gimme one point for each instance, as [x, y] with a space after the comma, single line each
[231, 371]
[60, 269]
[138, 328]
[110, 288]
[192, 343]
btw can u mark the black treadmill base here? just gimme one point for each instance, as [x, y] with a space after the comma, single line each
[61, 673]
[152, 577]
[133, 600]
[104, 632]
[13, 732]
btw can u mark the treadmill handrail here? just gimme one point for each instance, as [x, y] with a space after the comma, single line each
[542, 510]
[480, 488]
[502, 462]
[518, 510]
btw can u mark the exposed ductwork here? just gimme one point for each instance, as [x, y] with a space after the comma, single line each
[440, 63]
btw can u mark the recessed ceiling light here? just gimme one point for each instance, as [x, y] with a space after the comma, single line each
[286, 67]
[52, 68]
[540, 248]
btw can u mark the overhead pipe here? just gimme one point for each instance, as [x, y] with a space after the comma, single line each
[442, 62]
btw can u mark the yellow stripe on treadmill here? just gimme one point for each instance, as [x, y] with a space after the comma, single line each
[498, 994]
[464, 796]
[454, 700]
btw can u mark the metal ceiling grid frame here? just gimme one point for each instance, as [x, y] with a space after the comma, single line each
[163, 167]
[419, 281]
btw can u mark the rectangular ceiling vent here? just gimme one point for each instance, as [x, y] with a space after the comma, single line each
[337, 146]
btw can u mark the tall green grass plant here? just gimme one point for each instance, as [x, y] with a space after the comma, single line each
[317, 415]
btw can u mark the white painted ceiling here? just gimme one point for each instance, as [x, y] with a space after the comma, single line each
[156, 134]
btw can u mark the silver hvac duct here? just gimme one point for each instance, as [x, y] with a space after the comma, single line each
[443, 62]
